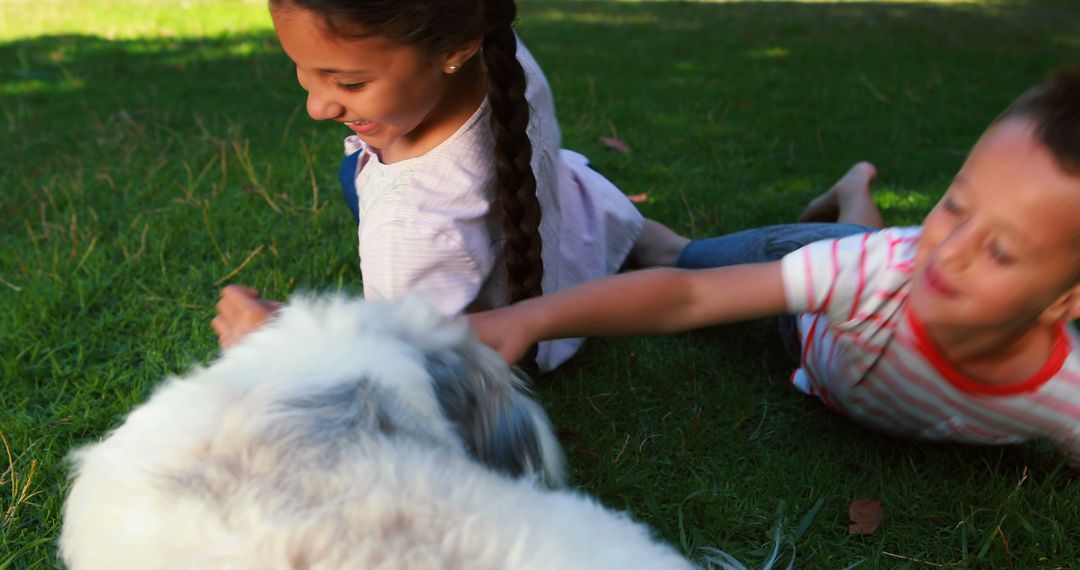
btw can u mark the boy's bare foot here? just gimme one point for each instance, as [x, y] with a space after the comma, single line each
[656, 246]
[848, 201]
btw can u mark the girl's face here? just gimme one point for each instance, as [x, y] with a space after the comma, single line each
[382, 91]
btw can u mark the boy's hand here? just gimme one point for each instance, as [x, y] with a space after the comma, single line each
[240, 311]
[501, 330]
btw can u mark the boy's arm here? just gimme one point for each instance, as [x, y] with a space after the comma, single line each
[654, 301]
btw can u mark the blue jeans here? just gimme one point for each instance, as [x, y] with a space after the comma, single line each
[347, 176]
[758, 245]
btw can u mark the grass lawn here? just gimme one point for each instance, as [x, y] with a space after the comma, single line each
[153, 151]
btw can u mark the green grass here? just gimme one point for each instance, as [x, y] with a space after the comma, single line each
[153, 150]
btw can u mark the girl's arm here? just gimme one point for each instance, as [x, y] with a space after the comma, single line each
[655, 301]
[240, 311]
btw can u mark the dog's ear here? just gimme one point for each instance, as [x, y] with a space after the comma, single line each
[501, 426]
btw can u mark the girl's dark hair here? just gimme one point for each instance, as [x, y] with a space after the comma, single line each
[437, 27]
[1054, 108]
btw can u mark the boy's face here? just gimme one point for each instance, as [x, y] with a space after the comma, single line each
[381, 90]
[1003, 245]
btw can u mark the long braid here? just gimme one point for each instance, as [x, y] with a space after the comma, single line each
[436, 28]
[515, 194]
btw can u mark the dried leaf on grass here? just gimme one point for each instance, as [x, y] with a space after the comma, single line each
[615, 143]
[866, 515]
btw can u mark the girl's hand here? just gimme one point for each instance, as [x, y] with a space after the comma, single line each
[240, 311]
[501, 330]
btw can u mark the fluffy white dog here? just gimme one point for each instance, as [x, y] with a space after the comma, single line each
[345, 434]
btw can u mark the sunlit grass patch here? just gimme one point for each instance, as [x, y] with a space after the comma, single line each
[129, 19]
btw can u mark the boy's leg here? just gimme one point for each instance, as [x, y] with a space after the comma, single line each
[845, 209]
[765, 244]
[758, 245]
[657, 246]
[848, 201]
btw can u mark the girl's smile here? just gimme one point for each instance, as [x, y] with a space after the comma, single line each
[361, 127]
[397, 98]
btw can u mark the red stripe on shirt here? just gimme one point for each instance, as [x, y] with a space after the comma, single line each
[857, 299]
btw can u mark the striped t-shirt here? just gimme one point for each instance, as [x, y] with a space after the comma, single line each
[866, 354]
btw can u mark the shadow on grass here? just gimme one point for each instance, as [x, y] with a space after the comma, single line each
[722, 90]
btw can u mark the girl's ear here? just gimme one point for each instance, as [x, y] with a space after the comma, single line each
[459, 56]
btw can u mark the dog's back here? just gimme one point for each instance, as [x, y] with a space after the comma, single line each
[344, 434]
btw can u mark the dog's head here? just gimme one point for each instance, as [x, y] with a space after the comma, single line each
[419, 372]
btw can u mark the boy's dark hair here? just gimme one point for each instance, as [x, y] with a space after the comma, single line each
[1054, 108]
[436, 27]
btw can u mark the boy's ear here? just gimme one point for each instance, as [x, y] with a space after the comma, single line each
[1066, 307]
[457, 57]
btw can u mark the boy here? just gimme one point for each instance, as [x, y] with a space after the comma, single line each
[956, 330]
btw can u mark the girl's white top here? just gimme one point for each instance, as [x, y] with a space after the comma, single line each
[428, 227]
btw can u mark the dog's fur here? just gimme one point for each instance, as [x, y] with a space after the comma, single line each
[344, 434]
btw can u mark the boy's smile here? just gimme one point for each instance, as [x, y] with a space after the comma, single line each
[1002, 247]
[937, 283]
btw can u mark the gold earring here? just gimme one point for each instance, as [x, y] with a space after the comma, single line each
[453, 68]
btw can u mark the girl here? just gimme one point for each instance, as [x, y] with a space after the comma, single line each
[456, 183]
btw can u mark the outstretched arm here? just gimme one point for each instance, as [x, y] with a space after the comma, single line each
[655, 301]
